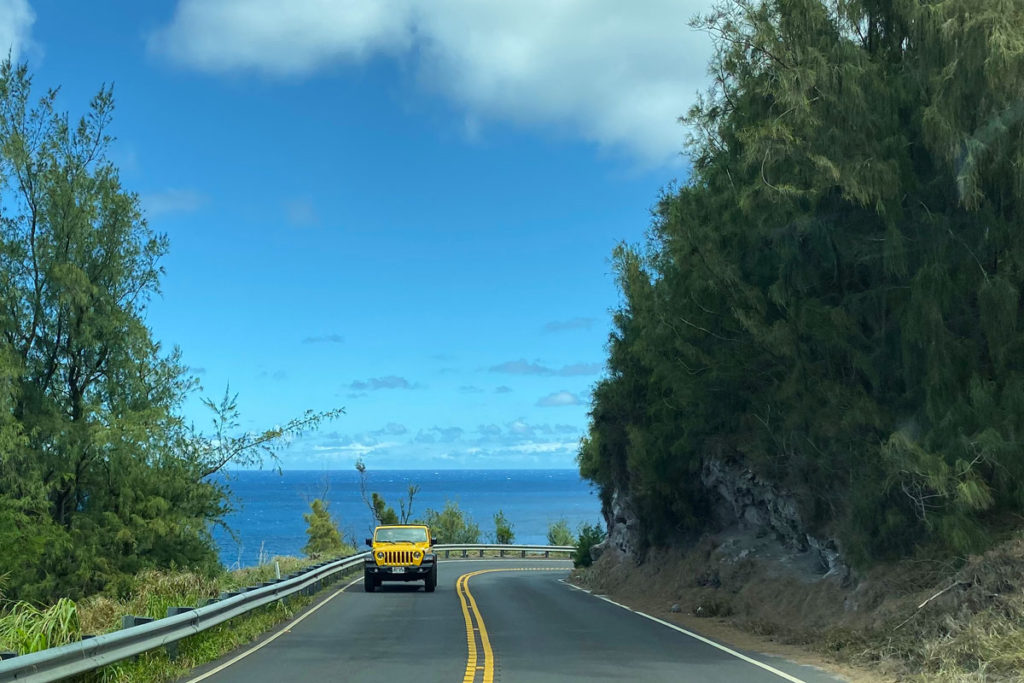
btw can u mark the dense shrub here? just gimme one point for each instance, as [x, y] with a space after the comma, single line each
[452, 525]
[503, 529]
[590, 535]
[559, 533]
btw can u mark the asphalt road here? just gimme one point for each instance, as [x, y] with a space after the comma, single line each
[509, 621]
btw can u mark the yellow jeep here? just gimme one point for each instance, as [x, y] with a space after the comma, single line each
[401, 552]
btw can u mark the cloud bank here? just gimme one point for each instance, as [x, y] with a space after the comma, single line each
[559, 398]
[525, 367]
[614, 73]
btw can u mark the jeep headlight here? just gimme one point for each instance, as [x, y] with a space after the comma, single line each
[417, 555]
[380, 554]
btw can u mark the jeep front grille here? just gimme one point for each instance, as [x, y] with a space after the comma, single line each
[398, 557]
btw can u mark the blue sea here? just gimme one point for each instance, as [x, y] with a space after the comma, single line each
[267, 519]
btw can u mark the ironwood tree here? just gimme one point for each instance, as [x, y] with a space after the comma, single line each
[100, 476]
[833, 297]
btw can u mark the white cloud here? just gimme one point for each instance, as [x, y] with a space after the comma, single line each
[559, 398]
[356, 448]
[16, 19]
[615, 73]
[545, 447]
[172, 200]
[525, 367]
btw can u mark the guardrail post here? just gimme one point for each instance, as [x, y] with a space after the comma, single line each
[481, 552]
[547, 554]
[500, 552]
[129, 620]
[7, 654]
[172, 647]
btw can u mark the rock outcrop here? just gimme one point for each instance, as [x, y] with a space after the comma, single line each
[742, 499]
[623, 528]
[741, 504]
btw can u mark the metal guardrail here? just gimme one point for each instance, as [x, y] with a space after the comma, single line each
[87, 655]
[465, 549]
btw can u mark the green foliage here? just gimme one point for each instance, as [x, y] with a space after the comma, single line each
[322, 532]
[589, 536]
[25, 628]
[559, 533]
[99, 476]
[382, 512]
[452, 525]
[503, 529]
[832, 299]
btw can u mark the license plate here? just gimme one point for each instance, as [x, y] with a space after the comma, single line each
[398, 570]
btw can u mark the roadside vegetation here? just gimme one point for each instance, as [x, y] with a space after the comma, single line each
[559, 534]
[107, 493]
[833, 297]
[100, 475]
[832, 300]
[25, 628]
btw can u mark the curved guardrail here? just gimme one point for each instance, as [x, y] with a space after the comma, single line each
[465, 549]
[87, 655]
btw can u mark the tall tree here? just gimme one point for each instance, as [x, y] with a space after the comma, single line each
[99, 476]
[833, 298]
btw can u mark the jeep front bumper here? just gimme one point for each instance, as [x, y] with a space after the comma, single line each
[385, 572]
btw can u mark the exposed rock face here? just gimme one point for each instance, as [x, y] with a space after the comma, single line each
[623, 528]
[745, 500]
[740, 502]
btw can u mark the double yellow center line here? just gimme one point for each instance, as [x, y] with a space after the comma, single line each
[480, 657]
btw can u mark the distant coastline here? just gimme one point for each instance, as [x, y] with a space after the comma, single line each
[268, 507]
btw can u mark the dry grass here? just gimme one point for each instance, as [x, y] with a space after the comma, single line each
[921, 620]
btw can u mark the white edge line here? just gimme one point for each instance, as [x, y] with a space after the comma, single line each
[723, 648]
[274, 637]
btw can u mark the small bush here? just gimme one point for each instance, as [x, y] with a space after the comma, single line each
[324, 537]
[559, 533]
[590, 535]
[452, 525]
[503, 532]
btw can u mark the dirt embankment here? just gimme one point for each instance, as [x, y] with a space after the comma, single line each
[918, 620]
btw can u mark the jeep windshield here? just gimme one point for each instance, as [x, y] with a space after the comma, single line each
[401, 536]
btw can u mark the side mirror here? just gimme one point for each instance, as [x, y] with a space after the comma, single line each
[433, 541]
[369, 542]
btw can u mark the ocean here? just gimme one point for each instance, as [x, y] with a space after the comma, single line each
[267, 519]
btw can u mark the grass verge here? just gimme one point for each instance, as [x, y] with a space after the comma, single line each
[26, 628]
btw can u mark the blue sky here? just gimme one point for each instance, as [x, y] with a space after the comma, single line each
[403, 208]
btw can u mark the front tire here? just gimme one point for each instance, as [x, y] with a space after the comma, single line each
[369, 583]
[431, 582]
